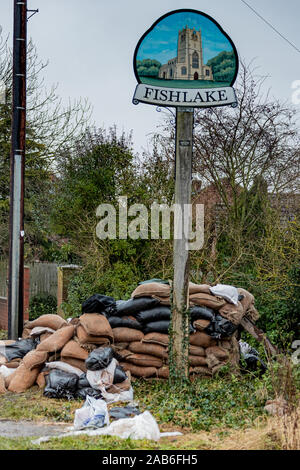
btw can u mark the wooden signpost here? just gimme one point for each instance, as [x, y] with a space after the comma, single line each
[176, 66]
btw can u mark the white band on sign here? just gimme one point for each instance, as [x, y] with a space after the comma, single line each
[191, 97]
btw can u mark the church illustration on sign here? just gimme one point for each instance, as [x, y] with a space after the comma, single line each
[188, 65]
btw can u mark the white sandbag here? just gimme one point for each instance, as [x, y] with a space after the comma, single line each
[39, 330]
[64, 366]
[6, 371]
[229, 293]
[103, 378]
[124, 396]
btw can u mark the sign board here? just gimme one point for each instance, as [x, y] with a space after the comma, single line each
[185, 59]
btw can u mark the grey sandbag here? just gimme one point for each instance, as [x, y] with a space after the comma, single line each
[117, 322]
[124, 412]
[204, 313]
[19, 349]
[88, 391]
[134, 306]
[119, 375]
[158, 313]
[99, 303]
[60, 384]
[99, 358]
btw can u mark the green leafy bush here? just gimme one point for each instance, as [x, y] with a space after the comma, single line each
[42, 304]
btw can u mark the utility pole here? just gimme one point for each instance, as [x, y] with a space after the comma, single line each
[183, 179]
[17, 173]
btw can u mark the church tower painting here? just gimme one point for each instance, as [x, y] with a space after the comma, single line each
[188, 65]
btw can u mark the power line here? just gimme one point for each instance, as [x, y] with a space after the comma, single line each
[271, 26]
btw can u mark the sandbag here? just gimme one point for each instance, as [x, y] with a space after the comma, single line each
[159, 313]
[96, 325]
[123, 354]
[26, 333]
[35, 358]
[60, 384]
[119, 375]
[82, 393]
[157, 326]
[198, 288]
[120, 387]
[99, 303]
[156, 338]
[202, 339]
[49, 320]
[151, 288]
[145, 360]
[195, 361]
[18, 349]
[247, 300]
[40, 330]
[86, 339]
[134, 306]
[78, 363]
[196, 350]
[197, 312]
[162, 300]
[23, 378]
[229, 293]
[207, 300]
[74, 350]
[219, 352]
[200, 370]
[220, 328]
[13, 364]
[45, 336]
[128, 335]
[138, 371]
[148, 281]
[57, 340]
[163, 372]
[201, 325]
[120, 346]
[233, 313]
[149, 348]
[41, 379]
[100, 358]
[116, 322]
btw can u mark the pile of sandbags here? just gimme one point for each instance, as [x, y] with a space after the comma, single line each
[141, 328]
[56, 355]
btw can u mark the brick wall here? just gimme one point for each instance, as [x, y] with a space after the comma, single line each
[3, 302]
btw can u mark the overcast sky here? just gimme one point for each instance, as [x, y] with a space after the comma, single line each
[90, 46]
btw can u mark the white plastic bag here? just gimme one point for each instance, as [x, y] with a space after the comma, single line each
[124, 396]
[229, 293]
[102, 378]
[93, 413]
[6, 371]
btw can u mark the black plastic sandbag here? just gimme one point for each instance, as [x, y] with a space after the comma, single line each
[160, 327]
[100, 358]
[220, 328]
[117, 322]
[133, 306]
[91, 392]
[154, 314]
[60, 384]
[124, 412]
[83, 382]
[19, 349]
[254, 363]
[204, 313]
[119, 375]
[99, 303]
